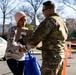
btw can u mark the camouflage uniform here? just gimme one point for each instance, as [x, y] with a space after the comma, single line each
[52, 32]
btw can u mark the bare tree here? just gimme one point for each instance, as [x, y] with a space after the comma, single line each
[40, 16]
[69, 3]
[27, 10]
[34, 5]
[7, 6]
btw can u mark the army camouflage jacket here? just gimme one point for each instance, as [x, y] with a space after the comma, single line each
[53, 33]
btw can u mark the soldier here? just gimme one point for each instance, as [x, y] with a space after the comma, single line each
[53, 33]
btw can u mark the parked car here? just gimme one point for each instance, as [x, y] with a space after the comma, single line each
[3, 46]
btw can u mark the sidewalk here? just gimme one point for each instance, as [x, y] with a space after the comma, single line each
[72, 63]
[71, 66]
[4, 70]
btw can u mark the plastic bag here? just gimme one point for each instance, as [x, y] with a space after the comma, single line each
[32, 67]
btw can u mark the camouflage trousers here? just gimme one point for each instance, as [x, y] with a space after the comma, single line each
[54, 68]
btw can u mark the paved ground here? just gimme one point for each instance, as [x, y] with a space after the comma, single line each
[4, 70]
[72, 62]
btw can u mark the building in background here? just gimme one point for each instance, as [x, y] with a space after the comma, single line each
[71, 25]
[35, 22]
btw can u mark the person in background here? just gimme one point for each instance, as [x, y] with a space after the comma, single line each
[53, 33]
[15, 55]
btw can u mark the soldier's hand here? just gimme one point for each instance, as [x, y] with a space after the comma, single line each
[21, 41]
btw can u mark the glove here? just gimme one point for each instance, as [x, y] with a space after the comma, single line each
[22, 35]
[21, 40]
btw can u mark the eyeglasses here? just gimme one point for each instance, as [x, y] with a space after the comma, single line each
[45, 9]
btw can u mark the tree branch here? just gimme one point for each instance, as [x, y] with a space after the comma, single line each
[69, 5]
[12, 9]
[11, 4]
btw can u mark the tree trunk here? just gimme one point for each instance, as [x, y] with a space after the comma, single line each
[3, 23]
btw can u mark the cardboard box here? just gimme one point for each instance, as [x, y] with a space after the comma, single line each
[40, 44]
[22, 31]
